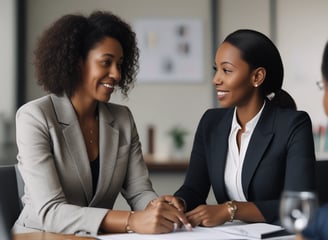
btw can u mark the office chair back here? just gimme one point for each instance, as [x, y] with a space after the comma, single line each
[10, 204]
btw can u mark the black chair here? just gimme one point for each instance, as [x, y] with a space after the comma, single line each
[321, 169]
[11, 184]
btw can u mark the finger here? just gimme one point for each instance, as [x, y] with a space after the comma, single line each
[169, 212]
[194, 212]
[167, 226]
[194, 221]
[178, 204]
[175, 215]
[195, 217]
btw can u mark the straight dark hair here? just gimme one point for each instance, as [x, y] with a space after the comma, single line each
[257, 50]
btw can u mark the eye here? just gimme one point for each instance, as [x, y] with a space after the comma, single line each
[106, 63]
[215, 68]
[226, 71]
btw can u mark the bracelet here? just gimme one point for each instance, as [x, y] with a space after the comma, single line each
[232, 209]
[127, 225]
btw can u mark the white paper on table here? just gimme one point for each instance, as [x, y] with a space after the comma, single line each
[253, 230]
[226, 232]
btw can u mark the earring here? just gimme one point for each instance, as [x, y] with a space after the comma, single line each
[255, 85]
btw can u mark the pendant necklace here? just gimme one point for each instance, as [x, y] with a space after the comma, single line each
[92, 132]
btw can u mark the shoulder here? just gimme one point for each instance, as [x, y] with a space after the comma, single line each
[215, 115]
[284, 122]
[285, 115]
[35, 106]
[117, 112]
[117, 109]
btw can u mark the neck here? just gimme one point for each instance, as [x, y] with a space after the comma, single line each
[85, 109]
[247, 112]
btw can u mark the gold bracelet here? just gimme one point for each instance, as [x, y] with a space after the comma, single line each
[232, 209]
[127, 225]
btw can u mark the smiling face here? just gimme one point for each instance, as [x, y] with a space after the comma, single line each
[101, 70]
[233, 80]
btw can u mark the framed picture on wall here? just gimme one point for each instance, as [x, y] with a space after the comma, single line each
[171, 50]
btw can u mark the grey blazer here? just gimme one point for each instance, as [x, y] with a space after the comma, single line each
[54, 164]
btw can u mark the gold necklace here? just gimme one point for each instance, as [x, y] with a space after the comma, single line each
[92, 131]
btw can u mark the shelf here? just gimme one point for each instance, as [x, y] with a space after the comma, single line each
[169, 165]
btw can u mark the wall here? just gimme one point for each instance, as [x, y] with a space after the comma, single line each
[162, 105]
[7, 67]
[236, 14]
[301, 36]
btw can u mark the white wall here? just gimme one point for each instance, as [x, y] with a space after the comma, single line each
[162, 105]
[236, 14]
[7, 65]
[301, 35]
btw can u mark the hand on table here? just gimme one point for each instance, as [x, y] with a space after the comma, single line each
[162, 215]
[208, 215]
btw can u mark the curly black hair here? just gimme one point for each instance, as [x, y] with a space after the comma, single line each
[70, 38]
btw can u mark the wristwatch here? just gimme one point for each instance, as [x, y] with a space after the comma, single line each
[232, 208]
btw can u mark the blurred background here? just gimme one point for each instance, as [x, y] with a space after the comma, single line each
[298, 28]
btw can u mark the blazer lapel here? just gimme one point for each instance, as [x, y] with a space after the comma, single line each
[259, 142]
[109, 145]
[74, 141]
[217, 159]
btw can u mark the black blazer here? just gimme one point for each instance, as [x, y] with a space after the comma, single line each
[280, 156]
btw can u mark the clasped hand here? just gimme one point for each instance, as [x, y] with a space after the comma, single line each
[208, 215]
[166, 214]
[162, 215]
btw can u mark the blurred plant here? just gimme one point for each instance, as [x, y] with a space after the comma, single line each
[178, 136]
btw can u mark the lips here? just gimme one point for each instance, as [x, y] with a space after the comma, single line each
[109, 88]
[107, 85]
[221, 94]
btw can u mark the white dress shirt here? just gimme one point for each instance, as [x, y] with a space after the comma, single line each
[235, 157]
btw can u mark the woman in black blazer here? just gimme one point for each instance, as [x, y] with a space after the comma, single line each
[255, 145]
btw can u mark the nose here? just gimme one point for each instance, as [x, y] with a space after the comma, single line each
[115, 73]
[216, 79]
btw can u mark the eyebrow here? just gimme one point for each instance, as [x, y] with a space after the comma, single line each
[110, 55]
[226, 62]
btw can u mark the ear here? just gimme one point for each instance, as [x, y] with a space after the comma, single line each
[258, 76]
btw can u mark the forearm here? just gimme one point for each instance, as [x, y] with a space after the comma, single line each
[116, 221]
[248, 212]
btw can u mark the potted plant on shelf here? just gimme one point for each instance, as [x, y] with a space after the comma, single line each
[178, 134]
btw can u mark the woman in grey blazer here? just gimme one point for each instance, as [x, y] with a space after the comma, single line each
[253, 147]
[76, 151]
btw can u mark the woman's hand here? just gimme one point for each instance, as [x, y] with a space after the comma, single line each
[160, 216]
[176, 202]
[208, 215]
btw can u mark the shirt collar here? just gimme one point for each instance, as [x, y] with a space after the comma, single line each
[250, 125]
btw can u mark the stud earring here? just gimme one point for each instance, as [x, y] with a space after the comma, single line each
[255, 85]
